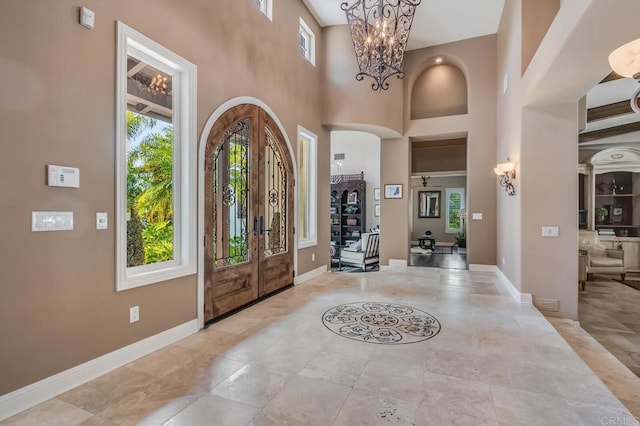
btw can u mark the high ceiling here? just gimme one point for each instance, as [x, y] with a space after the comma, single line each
[436, 21]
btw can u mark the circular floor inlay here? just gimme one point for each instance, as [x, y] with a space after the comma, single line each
[386, 323]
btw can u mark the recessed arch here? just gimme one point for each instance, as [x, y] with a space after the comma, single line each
[439, 91]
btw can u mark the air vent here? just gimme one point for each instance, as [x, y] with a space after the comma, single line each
[551, 305]
[338, 156]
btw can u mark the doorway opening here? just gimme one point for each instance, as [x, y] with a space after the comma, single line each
[438, 218]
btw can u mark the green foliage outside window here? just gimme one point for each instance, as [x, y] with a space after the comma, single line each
[149, 191]
[455, 200]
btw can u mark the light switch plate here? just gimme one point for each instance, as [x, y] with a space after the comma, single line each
[549, 231]
[101, 220]
[476, 216]
[87, 17]
[51, 221]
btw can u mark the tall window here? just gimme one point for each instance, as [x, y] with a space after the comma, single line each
[307, 187]
[307, 42]
[156, 211]
[454, 204]
[265, 7]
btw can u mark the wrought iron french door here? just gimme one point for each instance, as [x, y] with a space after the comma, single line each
[248, 210]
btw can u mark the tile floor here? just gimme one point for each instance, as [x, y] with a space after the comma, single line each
[608, 311]
[494, 362]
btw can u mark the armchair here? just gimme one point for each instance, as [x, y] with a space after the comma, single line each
[363, 254]
[596, 258]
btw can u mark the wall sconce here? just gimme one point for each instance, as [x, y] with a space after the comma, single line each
[507, 173]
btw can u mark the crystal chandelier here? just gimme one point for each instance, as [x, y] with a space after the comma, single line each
[380, 30]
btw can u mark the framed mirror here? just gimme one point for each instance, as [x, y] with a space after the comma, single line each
[428, 204]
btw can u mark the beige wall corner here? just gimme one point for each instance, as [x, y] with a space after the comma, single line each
[394, 212]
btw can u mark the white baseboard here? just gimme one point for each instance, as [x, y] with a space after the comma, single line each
[311, 274]
[33, 394]
[397, 263]
[505, 282]
[482, 268]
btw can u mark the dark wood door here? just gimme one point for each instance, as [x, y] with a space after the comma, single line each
[248, 210]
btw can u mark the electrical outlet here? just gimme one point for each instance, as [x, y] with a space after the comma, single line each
[504, 261]
[134, 314]
[313, 257]
[549, 231]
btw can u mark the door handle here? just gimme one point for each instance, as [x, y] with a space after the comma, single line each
[255, 225]
[261, 225]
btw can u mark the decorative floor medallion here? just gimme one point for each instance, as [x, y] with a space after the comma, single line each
[384, 323]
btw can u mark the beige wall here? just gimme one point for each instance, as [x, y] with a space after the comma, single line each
[536, 18]
[58, 307]
[509, 241]
[435, 225]
[477, 59]
[438, 159]
[550, 265]
[394, 213]
[440, 91]
[351, 104]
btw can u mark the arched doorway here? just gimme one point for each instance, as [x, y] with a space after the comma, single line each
[248, 210]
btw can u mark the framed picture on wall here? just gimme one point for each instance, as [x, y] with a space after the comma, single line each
[376, 194]
[376, 210]
[393, 191]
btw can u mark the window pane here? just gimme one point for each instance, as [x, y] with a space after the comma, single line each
[150, 153]
[275, 200]
[231, 195]
[455, 204]
[303, 196]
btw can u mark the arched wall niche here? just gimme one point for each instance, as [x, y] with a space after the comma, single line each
[439, 90]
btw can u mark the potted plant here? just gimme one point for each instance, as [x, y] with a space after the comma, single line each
[601, 214]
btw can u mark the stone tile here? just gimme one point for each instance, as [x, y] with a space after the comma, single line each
[494, 362]
[203, 373]
[452, 394]
[401, 381]
[213, 409]
[54, 412]
[252, 385]
[362, 408]
[521, 407]
[335, 368]
[109, 390]
[308, 401]
[285, 357]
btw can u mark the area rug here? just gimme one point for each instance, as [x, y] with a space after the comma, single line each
[631, 283]
[382, 323]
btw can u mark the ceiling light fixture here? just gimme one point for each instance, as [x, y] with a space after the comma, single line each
[379, 31]
[625, 61]
[439, 60]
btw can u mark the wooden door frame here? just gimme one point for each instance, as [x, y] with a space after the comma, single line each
[201, 167]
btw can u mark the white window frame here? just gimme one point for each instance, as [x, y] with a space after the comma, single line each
[266, 7]
[311, 180]
[131, 42]
[310, 42]
[462, 206]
